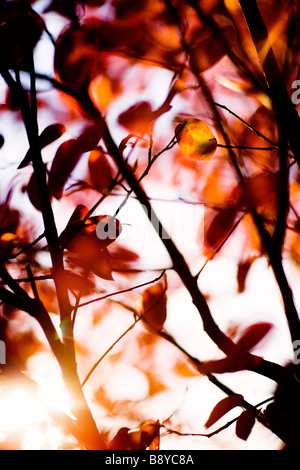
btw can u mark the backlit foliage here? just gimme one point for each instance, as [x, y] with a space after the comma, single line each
[150, 176]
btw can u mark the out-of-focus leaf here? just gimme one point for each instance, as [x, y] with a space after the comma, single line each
[100, 170]
[68, 155]
[207, 48]
[9, 218]
[253, 335]
[75, 282]
[101, 265]
[48, 135]
[262, 193]
[196, 140]
[154, 307]
[242, 273]
[218, 227]
[122, 258]
[245, 423]
[137, 118]
[223, 407]
[184, 369]
[19, 33]
[77, 59]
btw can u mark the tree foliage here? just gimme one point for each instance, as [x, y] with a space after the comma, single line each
[112, 107]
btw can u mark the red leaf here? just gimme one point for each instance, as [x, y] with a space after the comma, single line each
[219, 227]
[223, 407]
[68, 155]
[253, 335]
[245, 423]
[101, 265]
[242, 272]
[49, 135]
[122, 258]
[154, 309]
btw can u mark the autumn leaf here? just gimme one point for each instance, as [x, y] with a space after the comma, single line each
[19, 33]
[137, 118]
[144, 437]
[48, 135]
[262, 193]
[75, 282]
[245, 423]
[33, 193]
[253, 335]
[196, 140]
[154, 306]
[242, 273]
[100, 170]
[218, 227]
[223, 407]
[206, 52]
[68, 155]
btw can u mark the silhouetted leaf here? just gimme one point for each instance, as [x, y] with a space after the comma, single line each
[49, 135]
[19, 33]
[253, 335]
[245, 423]
[223, 407]
[68, 155]
[33, 193]
[144, 437]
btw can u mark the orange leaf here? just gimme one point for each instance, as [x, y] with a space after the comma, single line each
[245, 423]
[100, 170]
[154, 307]
[262, 192]
[223, 407]
[196, 140]
[137, 118]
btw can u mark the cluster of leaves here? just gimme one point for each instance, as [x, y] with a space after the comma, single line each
[242, 167]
